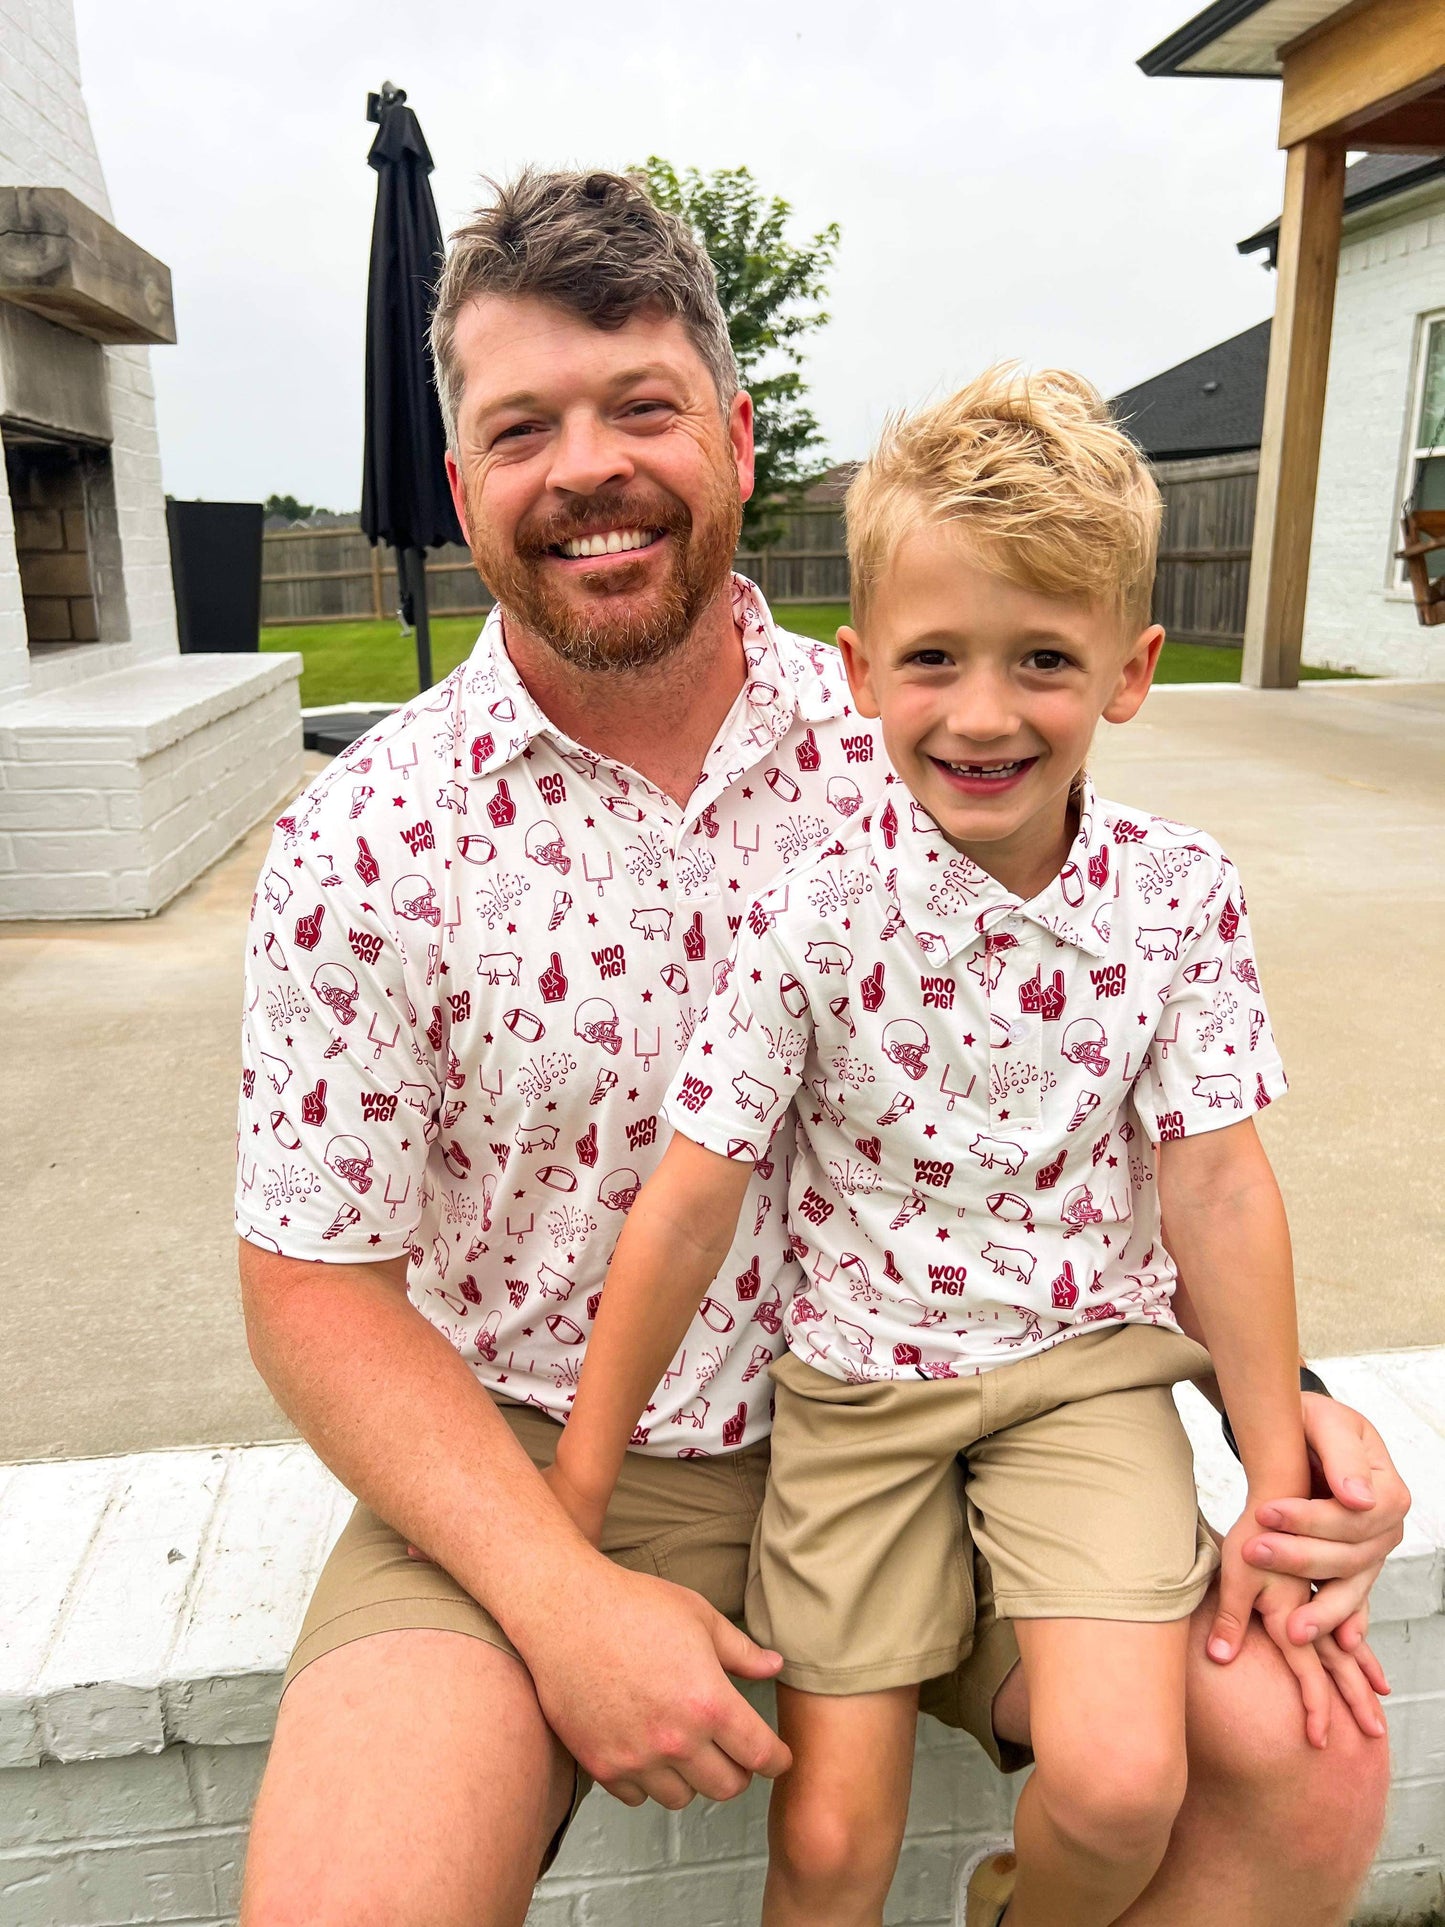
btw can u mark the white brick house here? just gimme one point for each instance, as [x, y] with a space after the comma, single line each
[125, 768]
[1389, 330]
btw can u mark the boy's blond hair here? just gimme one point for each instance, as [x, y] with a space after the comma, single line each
[1033, 472]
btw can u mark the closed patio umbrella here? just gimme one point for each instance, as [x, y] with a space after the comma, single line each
[404, 496]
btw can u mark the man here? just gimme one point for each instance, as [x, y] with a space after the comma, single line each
[481, 941]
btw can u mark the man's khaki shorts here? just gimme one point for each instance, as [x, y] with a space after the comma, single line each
[1078, 1495]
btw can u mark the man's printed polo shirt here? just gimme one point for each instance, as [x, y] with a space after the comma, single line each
[968, 1183]
[476, 955]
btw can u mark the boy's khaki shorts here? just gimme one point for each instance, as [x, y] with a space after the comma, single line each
[1078, 1496]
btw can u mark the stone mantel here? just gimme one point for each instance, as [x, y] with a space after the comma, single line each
[62, 261]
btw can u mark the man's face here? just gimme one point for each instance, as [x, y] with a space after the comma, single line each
[597, 476]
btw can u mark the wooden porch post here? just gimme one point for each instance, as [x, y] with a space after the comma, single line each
[1294, 406]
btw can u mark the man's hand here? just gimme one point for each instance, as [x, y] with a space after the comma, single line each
[1273, 1596]
[1341, 1536]
[631, 1673]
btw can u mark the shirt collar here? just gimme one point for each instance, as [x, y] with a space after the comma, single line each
[949, 903]
[788, 676]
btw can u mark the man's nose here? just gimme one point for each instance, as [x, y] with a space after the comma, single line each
[587, 456]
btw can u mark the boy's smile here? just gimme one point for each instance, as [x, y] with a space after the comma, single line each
[989, 694]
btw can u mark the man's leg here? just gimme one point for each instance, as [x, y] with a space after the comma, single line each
[412, 1782]
[1272, 1832]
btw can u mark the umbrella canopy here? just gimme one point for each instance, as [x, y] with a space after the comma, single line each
[404, 496]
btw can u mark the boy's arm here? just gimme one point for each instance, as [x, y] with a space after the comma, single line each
[1228, 1230]
[675, 1239]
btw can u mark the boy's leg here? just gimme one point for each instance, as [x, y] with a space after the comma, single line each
[1107, 1719]
[837, 1816]
[1271, 1829]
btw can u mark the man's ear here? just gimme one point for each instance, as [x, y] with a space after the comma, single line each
[459, 496]
[860, 674]
[740, 438]
[1136, 673]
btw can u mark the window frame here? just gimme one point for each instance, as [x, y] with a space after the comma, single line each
[1414, 452]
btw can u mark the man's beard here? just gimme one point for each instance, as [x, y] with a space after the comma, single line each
[603, 627]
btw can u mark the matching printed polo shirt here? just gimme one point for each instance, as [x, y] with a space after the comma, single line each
[975, 1080]
[476, 955]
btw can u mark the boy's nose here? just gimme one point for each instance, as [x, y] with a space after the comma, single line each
[983, 713]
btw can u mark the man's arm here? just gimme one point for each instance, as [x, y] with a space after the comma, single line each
[628, 1669]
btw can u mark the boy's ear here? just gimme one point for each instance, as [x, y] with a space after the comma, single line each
[1136, 673]
[860, 675]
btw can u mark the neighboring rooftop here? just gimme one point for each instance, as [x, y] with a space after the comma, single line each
[1212, 404]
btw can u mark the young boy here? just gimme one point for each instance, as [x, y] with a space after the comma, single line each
[974, 1002]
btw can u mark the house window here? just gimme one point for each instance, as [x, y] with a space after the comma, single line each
[1425, 479]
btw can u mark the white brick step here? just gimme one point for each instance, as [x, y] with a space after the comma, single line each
[148, 1605]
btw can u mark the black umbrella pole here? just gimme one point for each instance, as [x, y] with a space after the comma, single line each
[416, 569]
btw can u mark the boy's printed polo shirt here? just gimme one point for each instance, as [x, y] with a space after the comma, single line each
[476, 955]
[968, 1183]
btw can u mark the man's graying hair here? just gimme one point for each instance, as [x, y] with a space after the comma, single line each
[593, 243]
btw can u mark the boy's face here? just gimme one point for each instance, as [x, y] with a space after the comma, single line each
[989, 694]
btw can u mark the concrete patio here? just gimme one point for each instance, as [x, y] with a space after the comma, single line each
[117, 1258]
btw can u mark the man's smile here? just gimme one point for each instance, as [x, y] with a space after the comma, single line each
[602, 543]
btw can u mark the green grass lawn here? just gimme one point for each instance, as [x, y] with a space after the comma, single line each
[372, 662]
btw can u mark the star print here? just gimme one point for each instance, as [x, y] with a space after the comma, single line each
[488, 1038]
[632, 1097]
[1142, 1018]
[1003, 1114]
[1106, 1242]
[890, 778]
[444, 969]
[375, 1238]
[732, 883]
[255, 1130]
[1229, 1050]
[933, 856]
[942, 1234]
[285, 1221]
[486, 1120]
[552, 1107]
[296, 863]
[591, 916]
[446, 865]
[509, 1259]
[816, 1118]
[757, 976]
[511, 930]
[930, 1130]
[456, 762]
[590, 821]
[519, 1194]
[968, 1037]
[526, 1331]
[707, 1050]
[399, 802]
[747, 792]
[406, 1144]
[647, 996]
[316, 836]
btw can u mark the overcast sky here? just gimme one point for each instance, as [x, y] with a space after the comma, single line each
[1007, 182]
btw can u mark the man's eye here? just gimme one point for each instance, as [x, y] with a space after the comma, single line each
[515, 432]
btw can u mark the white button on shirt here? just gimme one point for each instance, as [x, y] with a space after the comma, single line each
[970, 1074]
[476, 955]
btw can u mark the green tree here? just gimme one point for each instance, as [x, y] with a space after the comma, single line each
[770, 290]
[288, 506]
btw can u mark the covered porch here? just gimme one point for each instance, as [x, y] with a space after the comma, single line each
[1358, 76]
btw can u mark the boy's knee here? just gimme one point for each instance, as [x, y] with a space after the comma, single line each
[1117, 1807]
[824, 1847]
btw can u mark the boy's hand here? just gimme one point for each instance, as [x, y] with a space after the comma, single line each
[1274, 1596]
[584, 1509]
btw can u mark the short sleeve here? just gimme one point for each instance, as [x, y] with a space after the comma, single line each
[745, 1059]
[1212, 1060]
[341, 1089]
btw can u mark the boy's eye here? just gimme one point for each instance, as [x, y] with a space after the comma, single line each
[929, 658]
[1048, 659]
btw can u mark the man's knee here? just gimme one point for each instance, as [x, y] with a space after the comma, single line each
[1323, 1808]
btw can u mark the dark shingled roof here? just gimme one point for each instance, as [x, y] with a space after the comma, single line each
[1212, 404]
[1374, 178]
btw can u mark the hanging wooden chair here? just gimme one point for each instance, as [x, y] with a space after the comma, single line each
[1424, 531]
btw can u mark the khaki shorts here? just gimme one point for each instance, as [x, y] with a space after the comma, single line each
[1078, 1494]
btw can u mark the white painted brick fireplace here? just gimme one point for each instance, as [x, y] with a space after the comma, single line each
[125, 767]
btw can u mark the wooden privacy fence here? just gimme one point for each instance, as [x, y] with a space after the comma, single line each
[1202, 584]
[335, 575]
